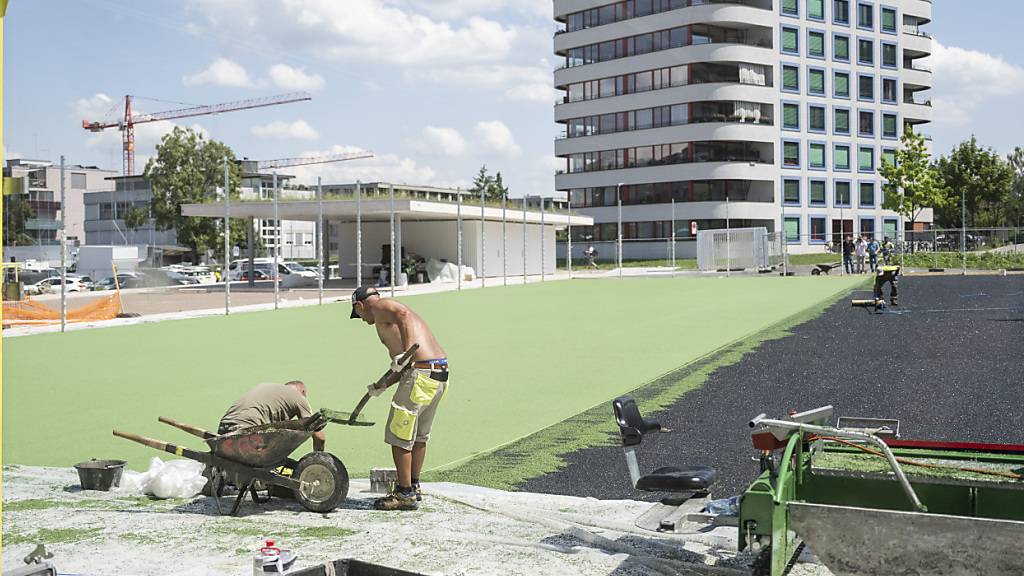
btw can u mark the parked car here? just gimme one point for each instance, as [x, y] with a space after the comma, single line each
[257, 274]
[49, 285]
[190, 274]
[295, 275]
[85, 281]
[124, 280]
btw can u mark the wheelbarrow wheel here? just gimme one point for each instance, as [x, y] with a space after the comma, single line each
[816, 272]
[323, 482]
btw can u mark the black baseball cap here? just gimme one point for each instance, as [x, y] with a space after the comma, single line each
[361, 293]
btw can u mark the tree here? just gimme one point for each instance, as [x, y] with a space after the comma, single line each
[1015, 203]
[984, 179]
[914, 184]
[493, 186]
[186, 170]
[17, 212]
[498, 189]
[136, 218]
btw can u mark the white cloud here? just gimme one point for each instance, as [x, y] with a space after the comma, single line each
[496, 137]
[455, 9]
[380, 168]
[220, 72]
[437, 141]
[519, 83]
[294, 79]
[297, 130]
[966, 79]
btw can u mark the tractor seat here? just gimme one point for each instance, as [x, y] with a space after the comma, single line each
[673, 479]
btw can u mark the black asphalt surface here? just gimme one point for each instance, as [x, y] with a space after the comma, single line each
[949, 366]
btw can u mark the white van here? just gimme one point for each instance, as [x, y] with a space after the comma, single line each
[291, 274]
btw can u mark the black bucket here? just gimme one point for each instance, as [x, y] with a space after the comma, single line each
[100, 474]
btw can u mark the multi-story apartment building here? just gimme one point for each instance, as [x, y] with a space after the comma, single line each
[773, 113]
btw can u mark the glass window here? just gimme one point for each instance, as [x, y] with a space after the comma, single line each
[867, 226]
[816, 192]
[866, 87]
[791, 78]
[867, 194]
[866, 123]
[818, 228]
[889, 125]
[866, 159]
[888, 90]
[841, 85]
[679, 114]
[791, 153]
[790, 40]
[865, 16]
[841, 11]
[842, 194]
[842, 121]
[865, 51]
[791, 116]
[841, 48]
[816, 118]
[888, 20]
[842, 157]
[816, 81]
[816, 9]
[816, 44]
[791, 191]
[816, 155]
[889, 55]
[889, 156]
[793, 230]
[790, 7]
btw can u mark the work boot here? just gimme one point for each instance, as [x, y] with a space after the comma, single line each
[419, 491]
[893, 300]
[397, 500]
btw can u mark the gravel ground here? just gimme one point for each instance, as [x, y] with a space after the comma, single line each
[947, 365]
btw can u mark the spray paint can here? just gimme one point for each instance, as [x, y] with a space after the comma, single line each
[272, 560]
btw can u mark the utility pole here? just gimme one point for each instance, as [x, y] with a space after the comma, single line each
[277, 246]
[227, 242]
[63, 255]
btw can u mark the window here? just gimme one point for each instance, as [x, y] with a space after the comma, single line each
[791, 154]
[865, 51]
[889, 226]
[816, 192]
[866, 159]
[790, 78]
[816, 118]
[865, 16]
[842, 193]
[791, 116]
[889, 156]
[841, 120]
[792, 229]
[841, 48]
[816, 155]
[816, 9]
[817, 228]
[790, 8]
[841, 85]
[791, 191]
[867, 227]
[867, 194]
[888, 55]
[889, 20]
[866, 87]
[790, 40]
[866, 123]
[841, 157]
[889, 90]
[841, 11]
[889, 123]
[816, 81]
[816, 44]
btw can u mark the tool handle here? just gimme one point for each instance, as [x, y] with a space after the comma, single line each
[384, 381]
[205, 435]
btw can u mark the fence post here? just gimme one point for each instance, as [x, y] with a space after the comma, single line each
[395, 255]
[277, 246]
[673, 238]
[524, 240]
[359, 236]
[483, 244]
[63, 256]
[320, 240]
[504, 244]
[458, 233]
[227, 241]
[543, 251]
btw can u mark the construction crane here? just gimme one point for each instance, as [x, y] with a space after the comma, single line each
[127, 124]
[309, 160]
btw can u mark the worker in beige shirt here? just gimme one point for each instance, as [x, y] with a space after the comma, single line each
[267, 403]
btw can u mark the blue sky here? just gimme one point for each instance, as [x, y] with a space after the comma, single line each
[435, 88]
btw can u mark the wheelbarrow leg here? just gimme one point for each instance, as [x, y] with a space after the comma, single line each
[242, 492]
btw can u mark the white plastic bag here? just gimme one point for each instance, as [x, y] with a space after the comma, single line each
[174, 479]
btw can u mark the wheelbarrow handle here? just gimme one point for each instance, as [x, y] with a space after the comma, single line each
[164, 446]
[193, 430]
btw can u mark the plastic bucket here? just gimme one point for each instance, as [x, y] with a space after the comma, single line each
[100, 474]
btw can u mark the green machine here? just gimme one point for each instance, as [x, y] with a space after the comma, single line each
[867, 502]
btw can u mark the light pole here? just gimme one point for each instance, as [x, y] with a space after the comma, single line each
[618, 200]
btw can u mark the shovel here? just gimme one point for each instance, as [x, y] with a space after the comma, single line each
[385, 381]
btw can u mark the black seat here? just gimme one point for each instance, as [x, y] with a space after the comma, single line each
[632, 428]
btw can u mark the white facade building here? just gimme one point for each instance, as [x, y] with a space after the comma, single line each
[784, 107]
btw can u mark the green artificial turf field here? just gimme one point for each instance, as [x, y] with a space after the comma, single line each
[522, 358]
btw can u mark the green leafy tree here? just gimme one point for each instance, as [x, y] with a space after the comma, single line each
[1015, 203]
[186, 170]
[136, 218]
[984, 179]
[17, 212]
[913, 183]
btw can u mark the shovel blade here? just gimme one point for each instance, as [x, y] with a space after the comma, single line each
[345, 418]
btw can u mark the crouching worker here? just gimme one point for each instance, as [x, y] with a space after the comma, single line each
[890, 275]
[268, 403]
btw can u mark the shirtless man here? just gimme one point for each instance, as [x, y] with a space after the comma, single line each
[419, 390]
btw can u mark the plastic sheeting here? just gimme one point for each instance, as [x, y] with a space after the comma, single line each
[173, 479]
[438, 271]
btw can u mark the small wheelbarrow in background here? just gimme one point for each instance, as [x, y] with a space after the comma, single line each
[256, 456]
[820, 269]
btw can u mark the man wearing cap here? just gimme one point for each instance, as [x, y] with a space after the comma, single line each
[422, 385]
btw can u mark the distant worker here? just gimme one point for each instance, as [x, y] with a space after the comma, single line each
[268, 403]
[890, 275]
[423, 383]
[848, 255]
[887, 250]
[860, 249]
[873, 249]
[591, 254]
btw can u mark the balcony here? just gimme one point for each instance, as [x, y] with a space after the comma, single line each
[915, 31]
[40, 224]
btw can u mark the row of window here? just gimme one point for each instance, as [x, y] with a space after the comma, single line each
[840, 84]
[841, 228]
[691, 35]
[816, 194]
[701, 73]
[664, 154]
[816, 156]
[790, 44]
[817, 120]
[666, 192]
[619, 11]
[674, 115]
[815, 10]
[657, 229]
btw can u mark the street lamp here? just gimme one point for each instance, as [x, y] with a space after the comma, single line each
[618, 199]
